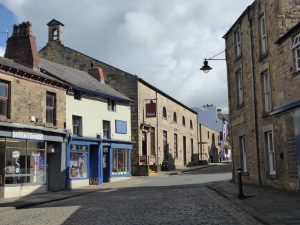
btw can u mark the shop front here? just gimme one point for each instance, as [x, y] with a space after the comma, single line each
[23, 161]
[92, 161]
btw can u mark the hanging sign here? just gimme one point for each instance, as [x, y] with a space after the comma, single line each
[151, 109]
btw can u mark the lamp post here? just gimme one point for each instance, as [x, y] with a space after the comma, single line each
[206, 68]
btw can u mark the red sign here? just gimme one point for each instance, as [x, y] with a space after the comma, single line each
[143, 159]
[151, 109]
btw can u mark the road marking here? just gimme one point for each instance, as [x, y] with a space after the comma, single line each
[110, 190]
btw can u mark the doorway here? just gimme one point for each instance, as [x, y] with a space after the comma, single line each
[106, 164]
[94, 165]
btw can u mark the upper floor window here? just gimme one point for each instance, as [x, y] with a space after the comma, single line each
[106, 129]
[77, 125]
[164, 112]
[111, 105]
[174, 117]
[50, 107]
[183, 121]
[296, 48]
[266, 91]
[207, 134]
[237, 42]
[263, 35]
[191, 124]
[4, 99]
[239, 88]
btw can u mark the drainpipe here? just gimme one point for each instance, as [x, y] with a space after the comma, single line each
[254, 98]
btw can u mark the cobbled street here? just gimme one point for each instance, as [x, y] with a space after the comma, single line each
[173, 204]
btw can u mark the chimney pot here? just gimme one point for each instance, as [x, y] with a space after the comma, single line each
[97, 73]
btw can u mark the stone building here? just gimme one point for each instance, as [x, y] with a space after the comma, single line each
[158, 140]
[262, 52]
[32, 119]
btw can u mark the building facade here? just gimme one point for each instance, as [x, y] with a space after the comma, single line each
[154, 137]
[32, 121]
[263, 63]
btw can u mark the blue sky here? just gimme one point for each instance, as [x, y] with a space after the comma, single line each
[7, 20]
[163, 42]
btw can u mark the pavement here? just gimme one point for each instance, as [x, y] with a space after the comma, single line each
[266, 205]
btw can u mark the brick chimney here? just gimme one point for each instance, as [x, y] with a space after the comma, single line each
[21, 46]
[97, 73]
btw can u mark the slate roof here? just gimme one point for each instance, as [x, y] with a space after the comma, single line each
[81, 80]
[15, 65]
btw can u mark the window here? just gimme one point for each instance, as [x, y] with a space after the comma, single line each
[271, 153]
[237, 41]
[192, 146]
[243, 154]
[78, 161]
[191, 124]
[77, 95]
[120, 161]
[111, 105]
[152, 139]
[207, 134]
[296, 48]
[164, 112]
[50, 107]
[106, 129]
[174, 117]
[4, 96]
[263, 36]
[175, 146]
[25, 161]
[239, 88]
[165, 144]
[77, 125]
[183, 121]
[267, 91]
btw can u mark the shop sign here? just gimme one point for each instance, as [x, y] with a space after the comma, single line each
[27, 135]
[143, 159]
[151, 109]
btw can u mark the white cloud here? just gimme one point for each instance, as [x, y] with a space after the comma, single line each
[163, 42]
[2, 51]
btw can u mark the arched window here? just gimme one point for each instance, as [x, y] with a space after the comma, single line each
[164, 112]
[191, 124]
[183, 121]
[174, 117]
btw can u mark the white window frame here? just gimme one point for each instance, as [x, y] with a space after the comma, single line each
[239, 88]
[267, 91]
[271, 152]
[296, 47]
[237, 40]
[263, 35]
[243, 154]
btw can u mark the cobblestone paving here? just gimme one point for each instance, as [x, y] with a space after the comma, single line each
[189, 204]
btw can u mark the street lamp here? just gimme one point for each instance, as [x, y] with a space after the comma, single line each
[206, 68]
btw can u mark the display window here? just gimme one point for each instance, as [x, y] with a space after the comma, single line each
[120, 161]
[25, 161]
[78, 162]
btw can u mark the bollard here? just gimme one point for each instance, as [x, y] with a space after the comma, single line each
[240, 184]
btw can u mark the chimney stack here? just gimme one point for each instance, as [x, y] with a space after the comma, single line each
[97, 73]
[21, 46]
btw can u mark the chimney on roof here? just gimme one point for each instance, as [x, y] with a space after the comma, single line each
[97, 73]
[21, 46]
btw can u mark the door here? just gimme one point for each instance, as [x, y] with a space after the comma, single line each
[105, 164]
[184, 150]
[93, 164]
[144, 143]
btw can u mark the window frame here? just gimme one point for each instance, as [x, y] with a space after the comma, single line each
[266, 88]
[6, 98]
[237, 42]
[191, 124]
[175, 145]
[239, 88]
[269, 145]
[262, 35]
[164, 113]
[79, 128]
[111, 105]
[183, 121]
[106, 122]
[296, 49]
[51, 108]
[243, 152]
[174, 117]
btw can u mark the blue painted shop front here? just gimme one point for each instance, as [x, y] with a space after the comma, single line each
[92, 161]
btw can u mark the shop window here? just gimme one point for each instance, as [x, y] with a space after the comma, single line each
[106, 129]
[4, 99]
[77, 125]
[50, 107]
[78, 161]
[120, 162]
[25, 162]
[111, 105]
